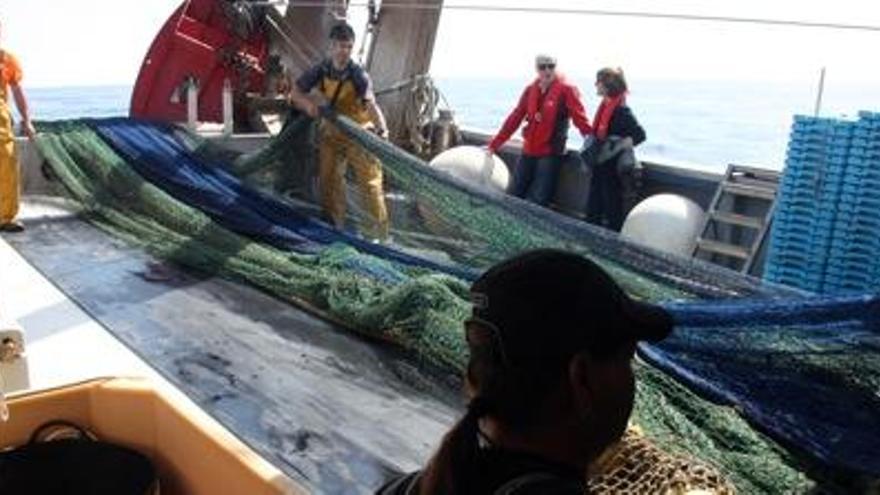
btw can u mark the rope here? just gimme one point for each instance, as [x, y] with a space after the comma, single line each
[421, 108]
[422, 105]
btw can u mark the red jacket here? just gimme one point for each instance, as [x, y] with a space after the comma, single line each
[547, 117]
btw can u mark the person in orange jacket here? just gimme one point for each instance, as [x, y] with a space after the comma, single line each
[547, 105]
[10, 79]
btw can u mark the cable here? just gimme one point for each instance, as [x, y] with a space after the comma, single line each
[609, 13]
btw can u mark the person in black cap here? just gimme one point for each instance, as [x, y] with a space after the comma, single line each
[550, 381]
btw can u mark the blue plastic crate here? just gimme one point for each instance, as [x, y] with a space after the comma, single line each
[840, 257]
[804, 163]
[792, 281]
[843, 259]
[865, 217]
[855, 183]
[787, 267]
[784, 273]
[788, 243]
[870, 116]
[855, 281]
[803, 202]
[793, 232]
[858, 190]
[790, 250]
[857, 176]
[858, 204]
[824, 220]
[793, 225]
[849, 277]
[847, 241]
[827, 211]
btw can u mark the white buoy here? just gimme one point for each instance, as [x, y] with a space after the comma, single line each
[474, 166]
[668, 222]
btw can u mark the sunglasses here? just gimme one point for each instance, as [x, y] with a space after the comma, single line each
[546, 66]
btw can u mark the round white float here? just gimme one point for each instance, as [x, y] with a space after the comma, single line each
[474, 166]
[668, 222]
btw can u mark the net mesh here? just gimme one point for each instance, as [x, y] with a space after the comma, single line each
[695, 393]
[636, 466]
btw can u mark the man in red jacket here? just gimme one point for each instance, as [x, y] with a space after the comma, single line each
[547, 105]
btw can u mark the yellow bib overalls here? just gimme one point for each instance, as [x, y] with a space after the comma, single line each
[336, 152]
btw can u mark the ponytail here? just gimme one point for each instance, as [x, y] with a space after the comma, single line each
[448, 471]
[512, 396]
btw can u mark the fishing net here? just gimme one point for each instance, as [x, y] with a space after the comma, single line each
[704, 394]
[634, 465]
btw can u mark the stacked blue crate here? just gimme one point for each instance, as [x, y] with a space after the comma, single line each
[789, 259]
[852, 265]
[872, 155]
[868, 204]
[837, 169]
[826, 231]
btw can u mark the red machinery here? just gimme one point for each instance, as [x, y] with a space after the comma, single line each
[204, 42]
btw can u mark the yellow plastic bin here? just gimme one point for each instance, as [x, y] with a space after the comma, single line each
[192, 452]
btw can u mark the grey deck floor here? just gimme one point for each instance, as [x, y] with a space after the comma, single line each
[334, 411]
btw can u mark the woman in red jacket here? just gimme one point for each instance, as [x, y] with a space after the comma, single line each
[611, 159]
[546, 105]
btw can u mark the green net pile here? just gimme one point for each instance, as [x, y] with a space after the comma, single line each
[418, 310]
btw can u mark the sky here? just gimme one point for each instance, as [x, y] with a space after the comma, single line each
[505, 42]
[102, 42]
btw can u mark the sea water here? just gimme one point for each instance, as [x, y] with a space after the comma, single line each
[703, 124]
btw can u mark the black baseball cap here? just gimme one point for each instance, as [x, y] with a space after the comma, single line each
[549, 303]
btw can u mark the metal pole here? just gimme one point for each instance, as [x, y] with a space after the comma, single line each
[821, 91]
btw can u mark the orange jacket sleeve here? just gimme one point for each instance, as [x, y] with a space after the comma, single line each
[11, 73]
[511, 124]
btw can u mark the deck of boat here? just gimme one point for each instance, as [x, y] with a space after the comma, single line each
[333, 411]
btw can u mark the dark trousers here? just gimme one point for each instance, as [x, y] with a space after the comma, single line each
[534, 178]
[605, 202]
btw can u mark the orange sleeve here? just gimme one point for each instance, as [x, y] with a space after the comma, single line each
[12, 73]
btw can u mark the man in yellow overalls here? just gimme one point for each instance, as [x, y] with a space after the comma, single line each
[347, 88]
[10, 78]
